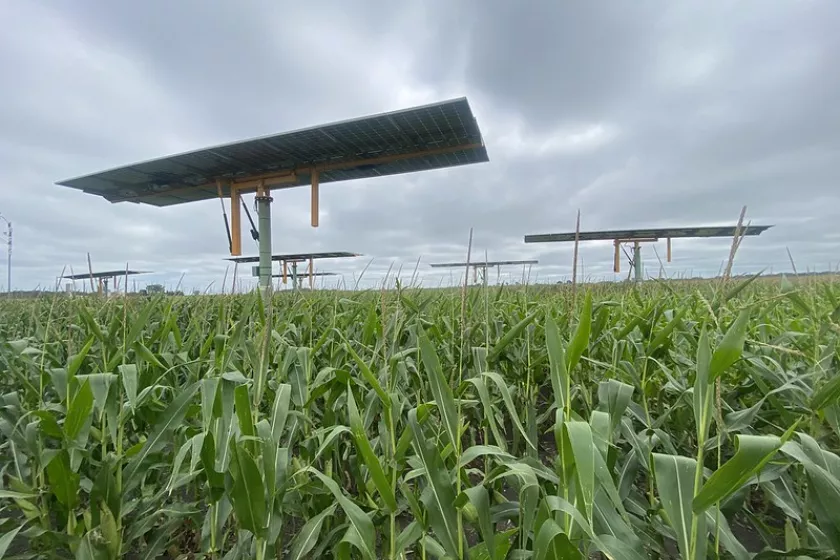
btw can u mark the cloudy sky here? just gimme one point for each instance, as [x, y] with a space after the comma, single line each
[640, 114]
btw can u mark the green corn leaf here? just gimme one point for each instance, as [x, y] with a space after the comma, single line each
[147, 355]
[662, 337]
[128, 375]
[7, 539]
[827, 394]
[100, 385]
[248, 494]
[511, 335]
[170, 419]
[243, 410]
[300, 375]
[508, 400]
[558, 371]
[702, 388]
[479, 499]
[472, 453]
[675, 484]
[361, 524]
[383, 486]
[307, 538]
[64, 483]
[108, 528]
[209, 392]
[77, 360]
[731, 346]
[440, 502]
[753, 452]
[580, 340]
[440, 388]
[579, 436]
[487, 407]
[553, 544]
[280, 411]
[614, 396]
[368, 375]
[79, 411]
[408, 536]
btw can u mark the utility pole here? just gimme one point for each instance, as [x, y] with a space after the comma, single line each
[8, 255]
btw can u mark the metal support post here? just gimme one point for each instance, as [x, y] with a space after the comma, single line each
[263, 200]
[294, 276]
[637, 260]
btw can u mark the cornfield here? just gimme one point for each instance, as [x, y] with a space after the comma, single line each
[668, 420]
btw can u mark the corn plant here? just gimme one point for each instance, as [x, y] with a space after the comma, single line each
[672, 419]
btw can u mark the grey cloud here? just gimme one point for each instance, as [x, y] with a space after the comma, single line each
[640, 114]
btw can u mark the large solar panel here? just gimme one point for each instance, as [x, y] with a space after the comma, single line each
[655, 233]
[106, 274]
[422, 138]
[483, 263]
[297, 257]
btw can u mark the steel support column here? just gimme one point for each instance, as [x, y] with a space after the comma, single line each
[294, 276]
[263, 200]
[637, 260]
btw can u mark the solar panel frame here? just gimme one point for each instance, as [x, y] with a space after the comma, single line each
[305, 274]
[428, 137]
[483, 263]
[105, 274]
[652, 233]
[297, 257]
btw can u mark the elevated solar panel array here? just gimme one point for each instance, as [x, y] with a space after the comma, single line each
[483, 263]
[106, 274]
[298, 257]
[392, 143]
[655, 233]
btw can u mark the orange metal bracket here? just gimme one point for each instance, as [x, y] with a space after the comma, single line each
[315, 194]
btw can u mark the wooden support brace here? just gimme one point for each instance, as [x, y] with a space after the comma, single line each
[235, 227]
[285, 271]
[669, 249]
[315, 193]
[616, 258]
[311, 273]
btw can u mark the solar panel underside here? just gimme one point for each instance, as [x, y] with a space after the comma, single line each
[481, 263]
[306, 274]
[447, 132]
[106, 274]
[630, 234]
[298, 257]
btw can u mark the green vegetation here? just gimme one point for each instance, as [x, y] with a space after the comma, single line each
[687, 420]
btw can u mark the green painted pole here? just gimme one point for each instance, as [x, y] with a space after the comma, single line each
[637, 261]
[264, 217]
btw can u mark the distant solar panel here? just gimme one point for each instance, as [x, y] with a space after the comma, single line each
[422, 138]
[483, 263]
[655, 233]
[306, 274]
[297, 257]
[106, 274]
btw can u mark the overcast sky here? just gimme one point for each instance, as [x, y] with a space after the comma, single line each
[641, 114]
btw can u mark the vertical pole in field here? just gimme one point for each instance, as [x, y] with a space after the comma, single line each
[8, 256]
[637, 260]
[263, 200]
[575, 258]
[294, 276]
